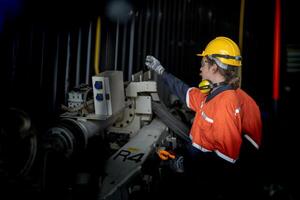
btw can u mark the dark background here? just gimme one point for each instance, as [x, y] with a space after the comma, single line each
[34, 37]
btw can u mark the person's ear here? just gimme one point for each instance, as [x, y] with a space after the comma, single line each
[214, 68]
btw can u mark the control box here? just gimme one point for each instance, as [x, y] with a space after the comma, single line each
[75, 99]
[108, 91]
[78, 96]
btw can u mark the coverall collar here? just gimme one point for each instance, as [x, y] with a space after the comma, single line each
[220, 89]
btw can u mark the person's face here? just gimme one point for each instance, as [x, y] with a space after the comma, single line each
[205, 69]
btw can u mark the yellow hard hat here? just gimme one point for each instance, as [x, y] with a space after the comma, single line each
[225, 50]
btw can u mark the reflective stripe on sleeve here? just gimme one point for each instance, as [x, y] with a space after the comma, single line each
[200, 147]
[251, 141]
[202, 103]
[204, 116]
[221, 155]
[188, 97]
[225, 157]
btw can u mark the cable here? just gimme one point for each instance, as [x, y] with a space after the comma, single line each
[171, 121]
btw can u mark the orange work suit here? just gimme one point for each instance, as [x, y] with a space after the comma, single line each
[219, 123]
[251, 119]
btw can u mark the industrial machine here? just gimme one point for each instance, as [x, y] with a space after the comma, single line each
[111, 140]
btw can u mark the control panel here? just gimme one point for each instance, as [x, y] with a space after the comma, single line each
[108, 91]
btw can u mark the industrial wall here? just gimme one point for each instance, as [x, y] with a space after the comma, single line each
[52, 47]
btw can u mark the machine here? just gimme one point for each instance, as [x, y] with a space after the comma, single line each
[111, 140]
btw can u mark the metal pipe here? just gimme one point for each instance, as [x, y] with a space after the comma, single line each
[164, 25]
[168, 34]
[77, 82]
[55, 74]
[147, 17]
[124, 46]
[159, 16]
[88, 55]
[67, 81]
[140, 60]
[152, 25]
[131, 45]
[107, 64]
[241, 27]
[241, 34]
[97, 46]
[117, 44]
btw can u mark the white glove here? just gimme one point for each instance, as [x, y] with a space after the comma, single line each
[154, 64]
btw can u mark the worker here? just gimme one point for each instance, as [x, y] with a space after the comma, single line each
[224, 113]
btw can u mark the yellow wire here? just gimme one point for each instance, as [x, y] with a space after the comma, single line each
[97, 46]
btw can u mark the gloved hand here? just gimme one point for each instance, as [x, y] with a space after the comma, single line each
[153, 64]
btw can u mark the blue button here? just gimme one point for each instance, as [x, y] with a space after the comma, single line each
[98, 85]
[99, 97]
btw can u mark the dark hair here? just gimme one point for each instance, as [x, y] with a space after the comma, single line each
[231, 74]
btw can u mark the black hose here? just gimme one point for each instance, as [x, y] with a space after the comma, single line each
[178, 127]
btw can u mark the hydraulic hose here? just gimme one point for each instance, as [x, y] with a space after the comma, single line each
[171, 121]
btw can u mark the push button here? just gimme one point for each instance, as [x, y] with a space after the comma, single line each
[99, 97]
[98, 85]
